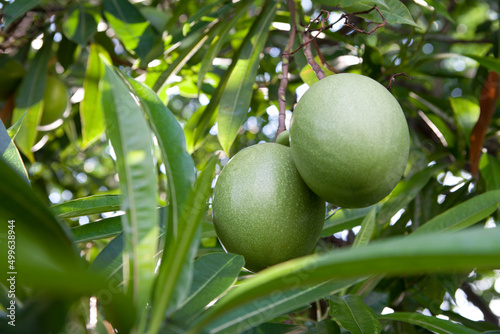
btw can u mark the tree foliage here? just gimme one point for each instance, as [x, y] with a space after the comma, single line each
[110, 205]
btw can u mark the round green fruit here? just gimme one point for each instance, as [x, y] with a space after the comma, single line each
[349, 140]
[262, 208]
[283, 138]
[55, 100]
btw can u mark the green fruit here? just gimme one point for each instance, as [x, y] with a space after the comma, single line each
[55, 99]
[283, 138]
[349, 140]
[263, 210]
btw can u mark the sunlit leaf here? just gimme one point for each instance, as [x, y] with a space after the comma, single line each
[131, 27]
[10, 154]
[353, 314]
[129, 134]
[88, 206]
[29, 99]
[464, 214]
[235, 99]
[16, 9]
[79, 24]
[434, 324]
[422, 253]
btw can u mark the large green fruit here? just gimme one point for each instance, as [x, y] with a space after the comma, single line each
[55, 99]
[263, 210]
[349, 140]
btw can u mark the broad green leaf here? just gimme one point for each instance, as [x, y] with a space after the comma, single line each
[130, 137]
[16, 9]
[91, 113]
[440, 8]
[404, 193]
[344, 219]
[10, 154]
[87, 206]
[44, 251]
[109, 261]
[79, 24]
[176, 257]
[276, 304]
[29, 99]
[458, 251]
[178, 163]
[433, 324]
[367, 227]
[354, 315]
[491, 63]
[464, 214]
[101, 229]
[212, 275]
[490, 171]
[277, 328]
[353, 3]
[130, 26]
[218, 41]
[394, 12]
[466, 114]
[14, 128]
[235, 100]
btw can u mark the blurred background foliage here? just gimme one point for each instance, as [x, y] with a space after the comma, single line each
[184, 51]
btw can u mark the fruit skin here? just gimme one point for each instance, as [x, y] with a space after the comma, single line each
[349, 140]
[263, 210]
[55, 100]
[284, 138]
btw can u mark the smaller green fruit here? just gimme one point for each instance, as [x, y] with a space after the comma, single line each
[55, 100]
[283, 138]
[262, 208]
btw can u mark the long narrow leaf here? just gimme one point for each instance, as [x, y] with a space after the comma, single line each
[436, 325]
[129, 134]
[10, 154]
[176, 255]
[16, 9]
[354, 315]
[88, 206]
[423, 253]
[464, 214]
[235, 100]
[367, 227]
[29, 99]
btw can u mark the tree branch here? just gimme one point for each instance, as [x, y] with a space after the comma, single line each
[284, 70]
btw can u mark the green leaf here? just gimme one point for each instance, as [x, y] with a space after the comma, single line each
[91, 113]
[87, 206]
[440, 8]
[235, 100]
[344, 219]
[29, 99]
[395, 13]
[458, 251]
[179, 165]
[354, 315]
[367, 227]
[219, 40]
[436, 325]
[16, 9]
[277, 328]
[130, 137]
[276, 304]
[212, 275]
[490, 171]
[464, 214]
[466, 115]
[101, 229]
[176, 259]
[10, 154]
[109, 261]
[79, 24]
[130, 26]
[491, 63]
[404, 193]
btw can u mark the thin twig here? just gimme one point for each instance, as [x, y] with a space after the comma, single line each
[347, 22]
[394, 78]
[284, 70]
[310, 58]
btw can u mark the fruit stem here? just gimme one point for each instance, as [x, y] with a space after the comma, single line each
[285, 64]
